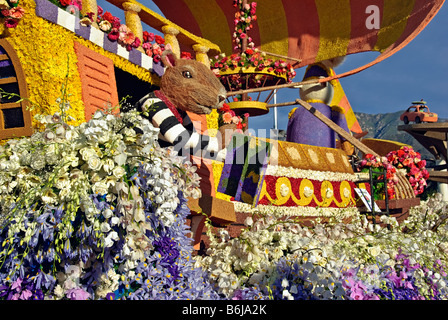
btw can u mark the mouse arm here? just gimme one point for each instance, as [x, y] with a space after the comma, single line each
[176, 129]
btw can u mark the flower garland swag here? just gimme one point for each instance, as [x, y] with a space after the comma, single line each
[11, 12]
[248, 68]
[96, 212]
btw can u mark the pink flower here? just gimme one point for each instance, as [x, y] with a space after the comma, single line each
[77, 294]
[77, 3]
[11, 23]
[125, 35]
[16, 13]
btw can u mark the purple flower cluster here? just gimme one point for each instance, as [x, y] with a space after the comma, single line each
[356, 289]
[21, 289]
[250, 293]
[31, 269]
[400, 280]
[296, 277]
[167, 272]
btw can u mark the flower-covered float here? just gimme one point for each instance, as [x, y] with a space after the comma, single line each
[249, 67]
[109, 220]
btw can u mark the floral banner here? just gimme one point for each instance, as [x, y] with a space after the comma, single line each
[244, 168]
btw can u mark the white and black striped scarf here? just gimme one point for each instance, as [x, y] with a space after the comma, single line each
[176, 127]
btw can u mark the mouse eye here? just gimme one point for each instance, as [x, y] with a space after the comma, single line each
[187, 74]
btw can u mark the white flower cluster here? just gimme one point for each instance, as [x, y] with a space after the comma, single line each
[66, 165]
[325, 251]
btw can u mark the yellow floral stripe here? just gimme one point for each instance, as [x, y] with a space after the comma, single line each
[212, 22]
[274, 36]
[335, 28]
[392, 28]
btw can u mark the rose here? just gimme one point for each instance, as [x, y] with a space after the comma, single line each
[105, 26]
[118, 172]
[159, 39]
[94, 163]
[113, 35]
[108, 16]
[64, 3]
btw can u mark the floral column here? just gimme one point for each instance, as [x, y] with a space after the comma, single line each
[90, 6]
[201, 54]
[170, 34]
[133, 20]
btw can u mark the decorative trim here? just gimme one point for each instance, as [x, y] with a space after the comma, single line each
[292, 192]
[56, 15]
[298, 211]
[290, 172]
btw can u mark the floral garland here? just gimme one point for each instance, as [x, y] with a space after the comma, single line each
[11, 12]
[116, 31]
[243, 22]
[250, 57]
[280, 259]
[411, 161]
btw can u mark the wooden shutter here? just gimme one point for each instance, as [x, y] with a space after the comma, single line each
[99, 88]
[15, 119]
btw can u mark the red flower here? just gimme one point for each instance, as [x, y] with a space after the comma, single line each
[186, 55]
[113, 35]
[159, 39]
[225, 108]
[64, 3]
[148, 36]
[109, 17]
[136, 42]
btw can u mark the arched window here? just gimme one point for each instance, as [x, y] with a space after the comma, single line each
[15, 119]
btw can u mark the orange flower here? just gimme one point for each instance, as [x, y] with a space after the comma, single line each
[227, 117]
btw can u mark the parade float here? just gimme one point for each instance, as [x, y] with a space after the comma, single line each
[93, 208]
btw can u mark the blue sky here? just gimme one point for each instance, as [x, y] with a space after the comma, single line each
[418, 71]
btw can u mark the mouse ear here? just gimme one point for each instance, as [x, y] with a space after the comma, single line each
[169, 58]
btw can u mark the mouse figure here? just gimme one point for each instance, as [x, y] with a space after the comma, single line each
[186, 86]
[304, 127]
[189, 90]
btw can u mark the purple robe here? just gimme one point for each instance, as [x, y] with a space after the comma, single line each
[305, 128]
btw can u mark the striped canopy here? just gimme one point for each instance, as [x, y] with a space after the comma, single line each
[310, 30]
